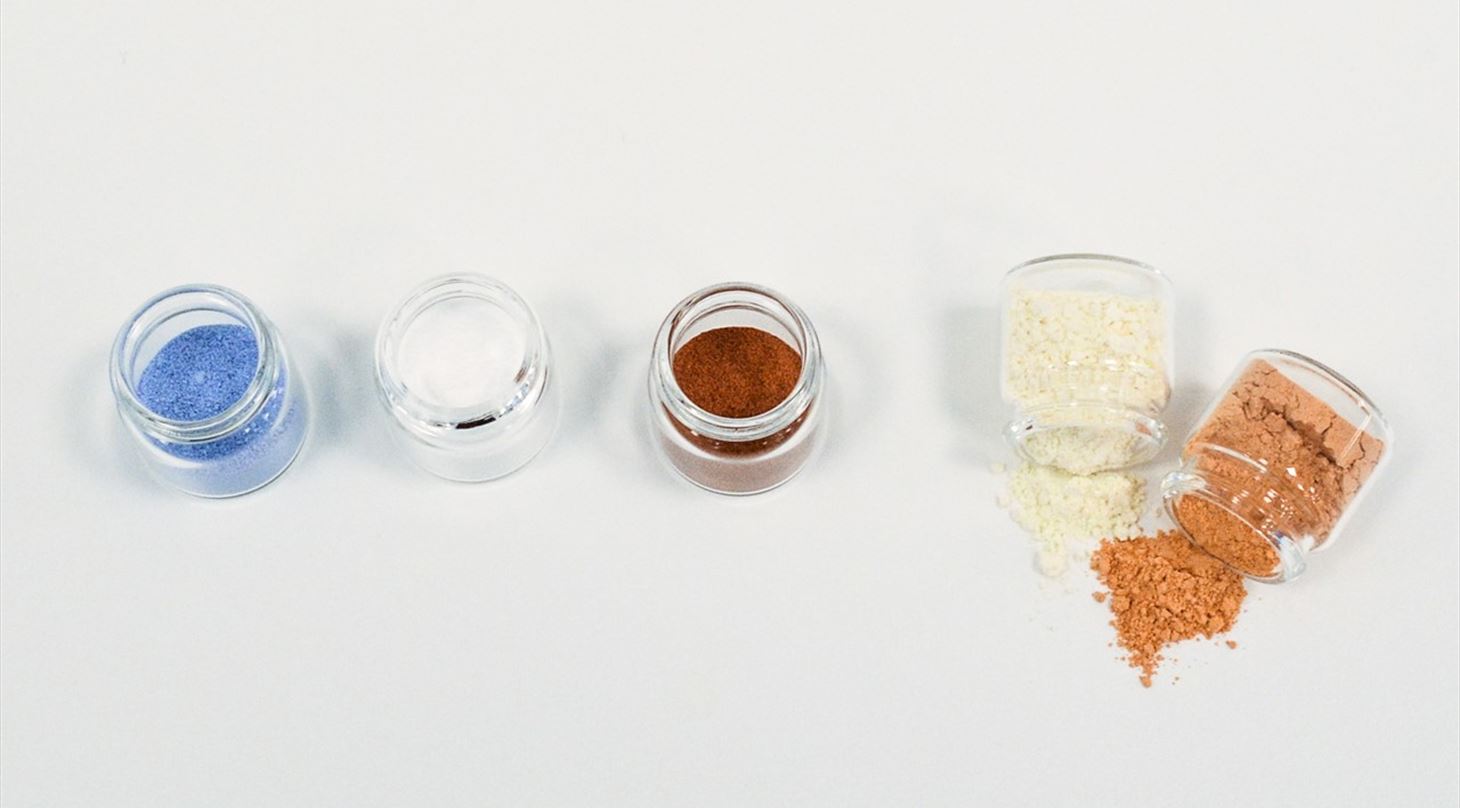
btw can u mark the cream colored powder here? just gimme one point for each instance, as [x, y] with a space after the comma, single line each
[1079, 363]
[1100, 347]
[1097, 440]
[1066, 513]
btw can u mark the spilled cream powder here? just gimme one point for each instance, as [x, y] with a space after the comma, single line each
[1066, 512]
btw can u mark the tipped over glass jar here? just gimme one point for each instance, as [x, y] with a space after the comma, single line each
[1276, 466]
[1087, 365]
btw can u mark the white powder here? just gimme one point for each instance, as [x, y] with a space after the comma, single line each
[462, 352]
[1079, 362]
[1066, 512]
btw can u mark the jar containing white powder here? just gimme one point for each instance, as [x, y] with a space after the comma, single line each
[1086, 361]
[463, 368]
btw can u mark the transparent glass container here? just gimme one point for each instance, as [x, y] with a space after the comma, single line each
[737, 455]
[1277, 464]
[1087, 362]
[464, 370]
[236, 450]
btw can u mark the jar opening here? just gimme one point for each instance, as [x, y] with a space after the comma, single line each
[460, 352]
[193, 363]
[736, 305]
[1249, 524]
[1085, 437]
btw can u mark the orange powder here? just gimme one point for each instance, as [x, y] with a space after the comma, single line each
[1163, 590]
[1310, 464]
[1226, 537]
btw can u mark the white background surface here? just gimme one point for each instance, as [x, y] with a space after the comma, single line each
[593, 631]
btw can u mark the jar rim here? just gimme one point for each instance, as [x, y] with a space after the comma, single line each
[720, 427]
[1148, 431]
[137, 327]
[1291, 560]
[421, 414]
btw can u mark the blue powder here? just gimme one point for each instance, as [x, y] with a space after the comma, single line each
[200, 373]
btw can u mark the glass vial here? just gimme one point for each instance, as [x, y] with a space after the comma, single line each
[1086, 368]
[465, 373]
[1276, 465]
[205, 388]
[734, 455]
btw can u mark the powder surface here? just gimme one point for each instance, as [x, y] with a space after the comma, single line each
[1061, 509]
[199, 373]
[1164, 590]
[1312, 461]
[462, 352]
[1080, 359]
[1226, 537]
[736, 372]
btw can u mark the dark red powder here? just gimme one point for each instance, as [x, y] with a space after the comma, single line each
[737, 372]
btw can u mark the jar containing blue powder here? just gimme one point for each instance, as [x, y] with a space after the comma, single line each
[203, 383]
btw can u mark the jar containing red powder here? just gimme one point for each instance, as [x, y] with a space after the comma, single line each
[735, 389]
[1276, 466]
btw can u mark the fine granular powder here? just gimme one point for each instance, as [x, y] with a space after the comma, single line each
[1067, 512]
[736, 372]
[1163, 590]
[1312, 463]
[1226, 537]
[740, 372]
[1082, 360]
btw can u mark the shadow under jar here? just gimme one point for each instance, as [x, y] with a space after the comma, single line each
[1087, 364]
[1277, 464]
[204, 386]
[741, 332]
[464, 371]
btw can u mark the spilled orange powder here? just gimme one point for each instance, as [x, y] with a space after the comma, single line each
[1163, 590]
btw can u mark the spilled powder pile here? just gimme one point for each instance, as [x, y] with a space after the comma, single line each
[1163, 590]
[1310, 463]
[1062, 510]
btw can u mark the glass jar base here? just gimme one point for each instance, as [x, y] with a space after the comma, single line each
[210, 481]
[298, 450]
[728, 492]
[742, 475]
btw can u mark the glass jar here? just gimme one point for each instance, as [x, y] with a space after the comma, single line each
[464, 371]
[1086, 365]
[731, 455]
[1277, 464]
[204, 385]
